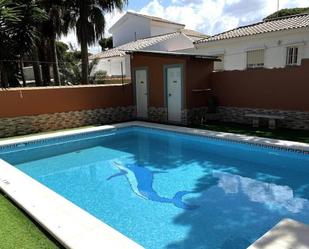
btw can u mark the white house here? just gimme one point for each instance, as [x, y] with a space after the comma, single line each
[141, 32]
[275, 43]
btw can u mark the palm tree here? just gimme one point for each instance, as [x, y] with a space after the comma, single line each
[87, 18]
[18, 35]
[50, 29]
[9, 16]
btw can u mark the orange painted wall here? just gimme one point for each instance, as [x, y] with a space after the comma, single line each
[34, 101]
[196, 76]
[285, 88]
[155, 65]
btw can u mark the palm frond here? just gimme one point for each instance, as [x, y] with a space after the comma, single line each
[98, 20]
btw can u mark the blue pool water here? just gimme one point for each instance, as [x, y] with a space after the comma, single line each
[170, 190]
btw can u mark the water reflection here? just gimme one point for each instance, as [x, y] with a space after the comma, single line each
[272, 195]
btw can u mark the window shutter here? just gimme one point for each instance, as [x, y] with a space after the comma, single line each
[255, 58]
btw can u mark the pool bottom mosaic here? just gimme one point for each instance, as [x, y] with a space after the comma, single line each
[169, 190]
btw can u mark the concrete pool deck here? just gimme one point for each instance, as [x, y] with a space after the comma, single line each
[287, 234]
[76, 228]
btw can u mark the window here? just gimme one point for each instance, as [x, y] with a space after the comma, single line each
[219, 65]
[292, 56]
[255, 58]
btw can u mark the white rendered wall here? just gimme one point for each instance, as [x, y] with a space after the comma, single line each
[134, 27]
[127, 66]
[112, 66]
[274, 43]
[29, 73]
[159, 28]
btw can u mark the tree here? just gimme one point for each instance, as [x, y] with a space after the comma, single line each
[87, 18]
[106, 43]
[73, 74]
[286, 12]
[50, 29]
[9, 16]
[18, 35]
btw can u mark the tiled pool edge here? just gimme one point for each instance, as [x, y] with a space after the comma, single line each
[231, 137]
[78, 229]
[251, 140]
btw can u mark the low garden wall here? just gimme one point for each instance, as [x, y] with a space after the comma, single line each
[283, 92]
[29, 110]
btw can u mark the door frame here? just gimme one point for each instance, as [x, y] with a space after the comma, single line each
[165, 68]
[134, 86]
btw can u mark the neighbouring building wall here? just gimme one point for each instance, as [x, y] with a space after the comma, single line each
[127, 66]
[159, 28]
[31, 110]
[234, 51]
[132, 28]
[112, 66]
[29, 73]
[283, 92]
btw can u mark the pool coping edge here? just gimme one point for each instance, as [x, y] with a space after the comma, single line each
[69, 224]
[253, 140]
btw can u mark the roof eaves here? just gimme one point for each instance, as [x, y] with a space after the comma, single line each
[120, 51]
[170, 53]
[156, 19]
[245, 35]
[217, 38]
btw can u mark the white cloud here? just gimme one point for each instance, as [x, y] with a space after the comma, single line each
[207, 16]
[214, 16]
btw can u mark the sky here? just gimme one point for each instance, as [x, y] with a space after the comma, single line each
[207, 16]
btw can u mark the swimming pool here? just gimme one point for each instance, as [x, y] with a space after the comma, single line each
[170, 190]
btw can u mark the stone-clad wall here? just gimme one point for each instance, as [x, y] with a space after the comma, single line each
[292, 119]
[49, 122]
[157, 114]
[193, 116]
[188, 116]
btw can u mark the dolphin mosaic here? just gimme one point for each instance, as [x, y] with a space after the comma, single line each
[141, 180]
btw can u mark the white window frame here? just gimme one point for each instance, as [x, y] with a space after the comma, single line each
[255, 65]
[292, 55]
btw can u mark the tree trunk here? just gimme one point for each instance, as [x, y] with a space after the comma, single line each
[36, 67]
[55, 61]
[85, 66]
[84, 45]
[44, 63]
[21, 66]
[4, 77]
